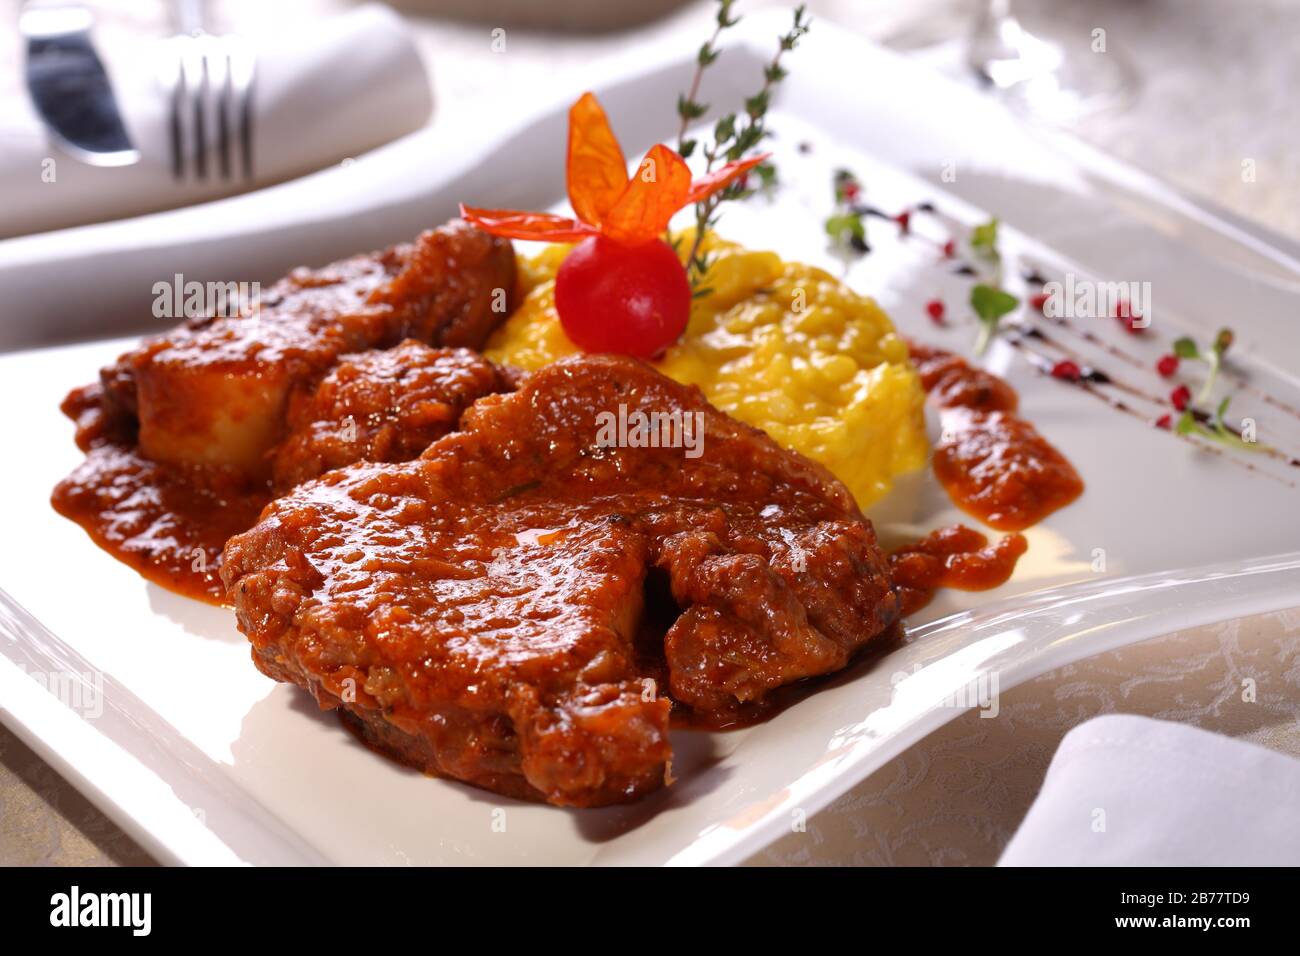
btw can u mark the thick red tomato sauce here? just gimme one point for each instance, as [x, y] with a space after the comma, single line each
[992, 462]
[952, 557]
[167, 524]
[995, 466]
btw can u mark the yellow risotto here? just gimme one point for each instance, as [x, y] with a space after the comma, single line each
[781, 345]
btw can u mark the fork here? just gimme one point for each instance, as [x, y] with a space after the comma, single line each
[210, 88]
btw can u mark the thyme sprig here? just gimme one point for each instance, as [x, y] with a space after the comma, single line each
[688, 107]
[734, 134]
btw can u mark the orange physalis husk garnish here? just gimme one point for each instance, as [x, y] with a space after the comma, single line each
[607, 202]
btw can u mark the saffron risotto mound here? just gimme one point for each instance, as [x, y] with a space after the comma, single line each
[781, 345]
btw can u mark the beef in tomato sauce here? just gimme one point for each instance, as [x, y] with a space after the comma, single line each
[188, 436]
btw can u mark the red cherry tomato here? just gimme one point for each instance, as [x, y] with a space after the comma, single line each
[633, 300]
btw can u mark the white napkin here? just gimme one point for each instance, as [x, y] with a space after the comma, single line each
[1132, 791]
[335, 89]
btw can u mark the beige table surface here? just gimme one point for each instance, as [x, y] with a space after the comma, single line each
[1218, 84]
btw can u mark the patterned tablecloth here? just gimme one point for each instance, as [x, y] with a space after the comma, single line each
[1218, 85]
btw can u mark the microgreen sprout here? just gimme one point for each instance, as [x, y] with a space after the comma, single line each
[1185, 348]
[990, 304]
[984, 242]
[1218, 429]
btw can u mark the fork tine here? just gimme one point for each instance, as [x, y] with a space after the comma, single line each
[175, 81]
[243, 82]
[211, 107]
[200, 117]
[224, 106]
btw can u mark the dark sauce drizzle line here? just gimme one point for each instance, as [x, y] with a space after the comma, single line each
[1092, 376]
[1235, 379]
[1043, 365]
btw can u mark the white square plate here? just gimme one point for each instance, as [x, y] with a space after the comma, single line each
[201, 758]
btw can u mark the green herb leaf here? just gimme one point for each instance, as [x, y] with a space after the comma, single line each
[846, 226]
[747, 139]
[990, 303]
[800, 27]
[689, 109]
[984, 240]
[1185, 348]
[1220, 411]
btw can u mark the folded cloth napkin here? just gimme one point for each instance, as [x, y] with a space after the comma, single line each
[1132, 791]
[335, 89]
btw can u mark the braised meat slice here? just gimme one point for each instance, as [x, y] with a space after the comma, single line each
[479, 611]
[380, 405]
[214, 391]
[171, 522]
[183, 434]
